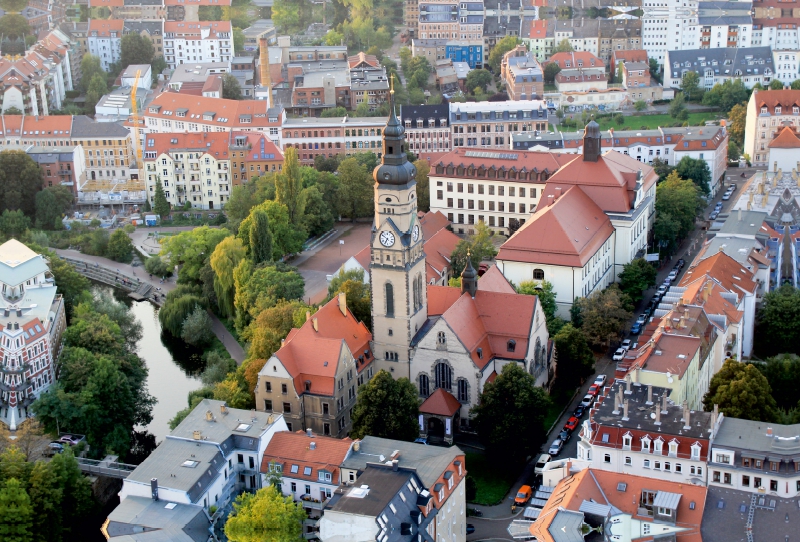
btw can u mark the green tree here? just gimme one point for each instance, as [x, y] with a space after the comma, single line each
[226, 256]
[499, 50]
[727, 94]
[120, 247]
[655, 70]
[90, 66]
[21, 179]
[333, 112]
[265, 515]
[604, 316]
[575, 358]
[318, 217]
[238, 40]
[783, 372]
[775, 84]
[260, 237]
[272, 325]
[690, 84]
[479, 245]
[157, 66]
[158, 267]
[135, 49]
[778, 322]
[191, 249]
[285, 238]
[160, 204]
[423, 185]
[14, 223]
[509, 417]
[46, 497]
[97, 89]
[261, 287]
[547, 297]
[737, 119]
[662, 168]
[640, 105]
[696, 170]
[209, 13]
[677, 204]
[795, 84]
[636, 277]
[386, 408]
[129, 327]
[231, 90]
[177, 309]
[564, 46]
[196, 329]
[551, 69]
[479, 79]
[288, 186]
[14, 26]
[355, 189]
[677, 106]
[16, 512]
[47, 211]
[357, 295]
[741, 391]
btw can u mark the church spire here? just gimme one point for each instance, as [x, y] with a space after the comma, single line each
[394, 169]
[469, 277]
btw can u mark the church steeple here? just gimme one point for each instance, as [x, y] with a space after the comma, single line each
[395, 169]
[591, 142]
[469, 278]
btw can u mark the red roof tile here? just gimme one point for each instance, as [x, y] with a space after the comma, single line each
[431, 222]
[787, 139]
[440, 403]
[438, 249]
[287, 449]
[770, 98]
[725, 270]
[104, 27]
[441, 298]
[494, 281]
[363, 257]
[582, 59]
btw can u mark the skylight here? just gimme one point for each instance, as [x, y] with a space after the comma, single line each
[190, 463]
[243, 427]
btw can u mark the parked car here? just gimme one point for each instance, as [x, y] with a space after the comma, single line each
[672, 275]
[564, 435]
[636, 328]
[54, 448]
[579, 411]
[626, 344]
[713, 215]
[732, 187]
[642, 318]
[421, 441]
[619, 354]
[661, 291]
[543, 460]
[718, 205]
[556, 447]
[726, 196]
[681, 263]
[600, 380]
[72, 440]
[587, 401]
[523, 495]
[572, 423]
[470, 528]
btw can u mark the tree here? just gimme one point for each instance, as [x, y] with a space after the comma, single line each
[260, 237]
[14, 223]
[157, 66]
[386, 408]
[677, 204]
[177, 309]
[636, 277]
[783, 372]
[498, 51]
[16, 512]
[564, 46]
[69, 283]
[696, 170]
[355, 189]
[510, 415]
[97, 89]
[47, 212]
[158, 267]
[662, 168]
[795, 84]
[21, 179]
[575, 358]
[547, 298]
[778, 322]
[318, 217]
[479, 79]
[265, 515]
[288, 186]
[775, 84]
[640, 105]
[333, 112]
[604, 316]
[690, 84]
[655, 70]
[741, 391]
[161, 206]
[120, 247]
[676, 106]
[14, 26]
[272, 325]
[551, 69]
[135, 49]
[261, 287]
[479, 245]
[196, 329]
[357, 294]
[231, 90]
[191, 249]
[285, 238]
[423, 185]
[130, 328]
[727, 94]
[90, 66]
[737, 119]
[46, 498]
[226, 256]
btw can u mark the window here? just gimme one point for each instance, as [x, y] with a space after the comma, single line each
[424, 385]
[284, 389]
[268, 405]
[441, 338]
[628, 461]
[463, 391]
[607, 458]
[443, 376]
[626, 442]
[647, 463]
[773, 485]
[389, 290]
[538, 274]
[326, 429]
[287, 407]
[511, 345]
[240, 458]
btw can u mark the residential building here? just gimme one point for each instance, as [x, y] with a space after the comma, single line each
[243, 68]
[151, 28]
[466, 51]
[76, 36]
[318, 78]
[432, 49]
[501, 189]
[439, 471]
[191, 167]
[253, 154]
[313, 379]
[768, 111]
[581, 79]
[192, 42]
[451, 77]
[786, 66]
[427, 127]
[129, 74]
[449, 19]
[757, 458]
[750, 64]
[309, 465]
[596, 230]
[136, 518]
[411, 16]
[628, 55]
[368, 81]
[108, 146]
[214, 454]
[522, 74]
[636, 78]
[104, 39]
[61, 166]
[501, 20]
[642, 431]
[33, 319]
[782, 150]
[491, 124]
[534, 34]
[600, 37]
[617, 507]
[330, 136]
[575, 60]
[190, 79]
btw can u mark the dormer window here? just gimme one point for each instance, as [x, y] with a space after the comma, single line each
[626, 441]
[657, 446]
[441, 338]
[696, 451]
[511, 345]
[764, 109]
[673, 448]
[646, 445]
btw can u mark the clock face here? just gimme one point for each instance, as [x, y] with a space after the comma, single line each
[415, 233]
[387, 238]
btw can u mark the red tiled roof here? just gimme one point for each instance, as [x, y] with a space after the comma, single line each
[363, 257]
[494, 281]
[582, 59]
[438, 249]
[212, 143]
[287, 449]
[441, 298]
[256, 140]
[431, 222]
[787, 139]
[500, 160]
[566, 233]
[770, 98]
[104, 27]
[538, 29]
[227, 113]
[363, 58]
[194, 30]
[630, 55]
[725, 270]
[440, 403]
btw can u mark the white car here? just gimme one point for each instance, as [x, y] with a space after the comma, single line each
[626, 344]
[619, 354]
[540, 463]
[673, 275]
[600, 380]
[587, 400]
[555, 448]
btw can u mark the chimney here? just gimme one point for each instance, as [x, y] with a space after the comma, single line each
[664, 404]
[209, 416]
[617, 401]
[716, 413]
[356, 445]
[343, 303]
[283, 341]
[658, 416]
[625, 410]
[682, 323]
[252, 414]
[636, 376]
[270, 419]
[395, 465]
[628, 384]
[309, 433]
[687, 421]
[649, 394]
[196, 435]
[154, 488]
[308, 316]
[312, 446]
[223, 410]
[769, 431]
[315, 324]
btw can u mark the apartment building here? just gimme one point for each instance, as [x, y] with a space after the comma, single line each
[76, 36]
[368, 82]
[191, 42]
[191, 167]
[768, 111]
[786, 66]
[751, 64]
[150, 28]
[313, 379]
[253, 154]
[522, 75]
[60, 166]
[637, 429]
[191, 78]
[491, 124]
[329, 136]
[449, 19]
[600, 37]
[108, 147]
[33, 319]
[427, 128]
[534, 34]
[104, 39]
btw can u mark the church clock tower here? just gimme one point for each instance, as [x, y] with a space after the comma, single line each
[397, 266]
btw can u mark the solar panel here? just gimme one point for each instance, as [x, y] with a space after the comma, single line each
[496, 155]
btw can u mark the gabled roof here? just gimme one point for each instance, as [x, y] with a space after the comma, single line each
[440, 403]
[727, 271]
[363, 257]
[441, 298]
[362, 59]
[104, 27]
[582, 59]
[566, 233]
[630, 55]
[438, 249]
[431, 222]
[494, 281]
[787, 139]
[214, 144]
[770, 98]
[294, 450]
[230, 113]
[141, 519]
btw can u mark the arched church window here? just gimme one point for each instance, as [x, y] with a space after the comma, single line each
[511, 345]
[463, 391]
[444, 376]
[424, 385]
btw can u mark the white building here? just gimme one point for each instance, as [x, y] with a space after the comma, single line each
[330, 136]
[187, 42]
[212, 456]
[490, 124]
[768, 111]
[128, 77]
[104, 40]
[715, 66]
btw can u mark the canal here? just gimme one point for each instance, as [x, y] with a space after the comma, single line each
[174, 366]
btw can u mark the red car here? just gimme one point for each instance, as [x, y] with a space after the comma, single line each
[594, 390]
[571, 424]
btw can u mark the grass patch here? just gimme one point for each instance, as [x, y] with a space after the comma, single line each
[654, 121]
[493, 480]
[558, 400]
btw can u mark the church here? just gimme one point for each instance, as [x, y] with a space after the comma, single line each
[448, 341]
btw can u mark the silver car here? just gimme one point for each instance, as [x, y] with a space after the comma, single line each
[555, 448]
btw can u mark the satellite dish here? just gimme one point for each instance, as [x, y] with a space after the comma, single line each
[669, 374]
[670, 380]
[652, 415]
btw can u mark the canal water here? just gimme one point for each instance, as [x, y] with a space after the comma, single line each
[174, 366]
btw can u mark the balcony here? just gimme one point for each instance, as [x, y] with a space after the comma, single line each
[306, 501]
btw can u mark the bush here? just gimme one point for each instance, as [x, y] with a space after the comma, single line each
[158, 267]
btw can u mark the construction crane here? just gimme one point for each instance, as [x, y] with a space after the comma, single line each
[135, 111]
[265, 78]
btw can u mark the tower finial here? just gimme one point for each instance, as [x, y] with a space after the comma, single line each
[391, 84]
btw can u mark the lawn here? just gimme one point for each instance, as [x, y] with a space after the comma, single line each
[493, 480]
[558, 400]
[651, 122]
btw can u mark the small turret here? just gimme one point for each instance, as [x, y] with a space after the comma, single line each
[469, 278]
